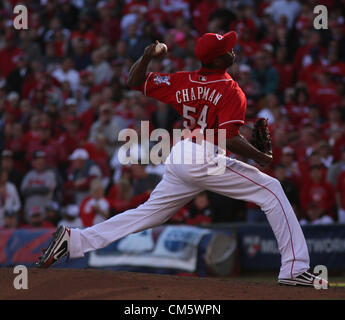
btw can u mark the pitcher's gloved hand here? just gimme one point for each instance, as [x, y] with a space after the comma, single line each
[261, 138]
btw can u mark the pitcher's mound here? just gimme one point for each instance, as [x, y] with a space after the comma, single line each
[100, 284]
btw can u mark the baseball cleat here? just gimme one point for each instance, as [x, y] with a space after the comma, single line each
[306, 279]
[57, 249]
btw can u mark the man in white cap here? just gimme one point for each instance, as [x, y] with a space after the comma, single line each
[71, 217]
[39, 184]
[80, 174]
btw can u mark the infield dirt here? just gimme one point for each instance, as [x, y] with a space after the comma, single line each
[72, 284]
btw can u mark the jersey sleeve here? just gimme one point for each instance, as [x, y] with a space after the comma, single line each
[232, 112]
[160, 86]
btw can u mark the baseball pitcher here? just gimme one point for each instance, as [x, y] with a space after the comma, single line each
[206, 99]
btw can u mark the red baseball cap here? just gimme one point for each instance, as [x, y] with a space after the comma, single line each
[212, 45]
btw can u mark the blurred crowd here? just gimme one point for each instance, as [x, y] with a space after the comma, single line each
[64, 99]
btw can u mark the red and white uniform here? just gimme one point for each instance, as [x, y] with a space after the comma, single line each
[208, 101]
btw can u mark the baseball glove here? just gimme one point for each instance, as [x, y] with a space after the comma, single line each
[261, 138]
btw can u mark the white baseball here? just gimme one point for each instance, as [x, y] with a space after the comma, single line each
[161, 47]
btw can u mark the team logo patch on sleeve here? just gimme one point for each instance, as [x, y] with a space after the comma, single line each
[161, 79]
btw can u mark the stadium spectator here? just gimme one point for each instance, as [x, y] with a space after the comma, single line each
[11, 220]
[201, 15]
[67, 73]
[9, 55]
[108, 125]
[7, 164]
[325, 152]
[70, 217]
[292, 170]
[50, 60]
[316, 216]
[108, 26]
[317, 196]
[100, 67]
[290, 188]
[298, 109]
[84, 32]
[271, 111]
[81, 172]
[120, 197]
[18, 76]
[9, 197]
[81, 57]
[290, 9]
[265, 75]
[335, 169]
[36, 219]
[135, 43]
[94, 208]
[45, 142]
[284, 68]
[164, 117]
[38, 184]
[89, 116]
[143, 182]
[99, 155]
[52, 212]
[73, 137]
[198, 213]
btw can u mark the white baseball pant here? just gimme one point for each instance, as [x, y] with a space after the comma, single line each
[181, 183]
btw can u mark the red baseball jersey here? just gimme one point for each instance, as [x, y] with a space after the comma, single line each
[205, 100]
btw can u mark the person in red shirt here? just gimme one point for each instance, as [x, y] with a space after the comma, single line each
[86, 33]
[156, 15]
[298, 109]
[108, 25]
[335, 66]
[334, 122]
[319, 192]
[207, 98]
[9, 55]
[244, 21]
[200, 212]
[73, 137]
[94, 208]
[90, 115]
[248, 46]
[324, 93]
[308, 74]
[46, 143]
[201, 14]
[121, 199]
[284, 68]
[313, 41]
[98, 154]
[37, 219]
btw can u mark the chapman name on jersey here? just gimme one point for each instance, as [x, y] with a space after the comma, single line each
[209, 101]
[198, 93]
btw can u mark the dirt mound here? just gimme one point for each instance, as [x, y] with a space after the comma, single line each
[101, 284]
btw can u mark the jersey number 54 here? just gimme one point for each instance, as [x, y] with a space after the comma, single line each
[190, 113]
